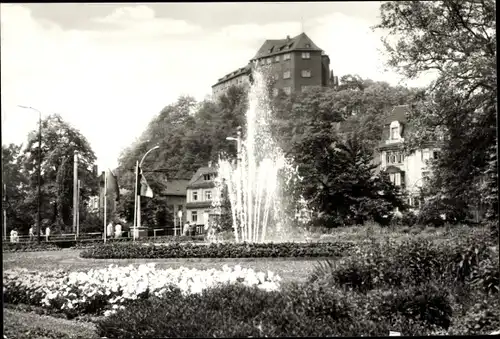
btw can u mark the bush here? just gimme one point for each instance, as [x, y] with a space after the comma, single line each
[298, 310]
[224, 250]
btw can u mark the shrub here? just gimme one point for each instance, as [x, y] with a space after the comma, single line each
[224, 250]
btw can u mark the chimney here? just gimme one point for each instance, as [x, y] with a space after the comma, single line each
[287, 38]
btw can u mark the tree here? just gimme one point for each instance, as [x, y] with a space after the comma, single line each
[16, 185]
[339, 181]
[59, 143]
[456, 40]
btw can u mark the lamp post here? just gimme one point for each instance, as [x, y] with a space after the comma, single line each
[179, 214]
[138, 195]
[39, 167]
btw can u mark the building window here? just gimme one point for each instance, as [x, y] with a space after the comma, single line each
[277, 58]
[269, 60]
[206, 176]
[305, 73]
[195, 196]
[395, 178]
[286, 75]
[275, 92]
[208, 195]
[194, 216]
[286, 56]
[287, 90]
[306, 55]
[394, 157]
[394, 133]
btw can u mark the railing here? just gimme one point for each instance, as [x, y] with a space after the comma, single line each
[98, 236]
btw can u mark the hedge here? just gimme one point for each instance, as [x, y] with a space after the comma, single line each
[29, 247]
[224, 250]
[300, 310]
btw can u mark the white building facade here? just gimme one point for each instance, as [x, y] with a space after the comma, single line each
[407, 171]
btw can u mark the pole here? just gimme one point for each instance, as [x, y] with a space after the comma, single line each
[139, 193]
[78, 210]
[105, 203]
[135, 198]
[39, 218]
[75, 191]
[4, 224]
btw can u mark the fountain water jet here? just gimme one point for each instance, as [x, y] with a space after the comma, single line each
[253, 183]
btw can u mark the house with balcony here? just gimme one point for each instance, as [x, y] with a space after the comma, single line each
[200, 194]
[407, 171]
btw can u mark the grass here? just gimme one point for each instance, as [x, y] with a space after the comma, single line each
[20, 325]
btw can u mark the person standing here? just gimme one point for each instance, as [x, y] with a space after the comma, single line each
[13, 235]
[47, 233]
[118, 231]
[31, 234]
[186, 229]
[109, 230]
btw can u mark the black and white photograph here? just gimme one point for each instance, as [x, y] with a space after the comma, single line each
[249, 169]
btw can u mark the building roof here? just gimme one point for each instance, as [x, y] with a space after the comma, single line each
[199, 174]
[273, 47]
[398, 113]
[234, 74]
[177, 187]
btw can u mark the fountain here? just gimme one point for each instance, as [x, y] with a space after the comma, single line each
[254, 182]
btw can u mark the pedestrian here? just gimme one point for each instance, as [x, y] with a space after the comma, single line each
[185, 231]
[47, 233]
[13, 235]
[118, 231]
[109, 230]
[192, 229]
[31, 234]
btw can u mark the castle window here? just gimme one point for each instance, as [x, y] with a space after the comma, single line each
[277, 58]
[286, 75]
[306, 55]
[194, 216]
[286, 56]
[305, 73]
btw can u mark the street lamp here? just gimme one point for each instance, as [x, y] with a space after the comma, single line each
[138, 194]
[39, 166]
[238, 143]
[179, 214]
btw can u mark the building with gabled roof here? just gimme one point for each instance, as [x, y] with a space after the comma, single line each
[200, 193]
[292, 64]
[408, 171]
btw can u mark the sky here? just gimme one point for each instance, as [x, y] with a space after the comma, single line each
[108, 69]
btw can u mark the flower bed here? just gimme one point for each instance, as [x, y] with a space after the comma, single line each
[224, 250]
[111, 288]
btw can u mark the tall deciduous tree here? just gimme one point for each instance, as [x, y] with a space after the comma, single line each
[456, 39]
[60, 141]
